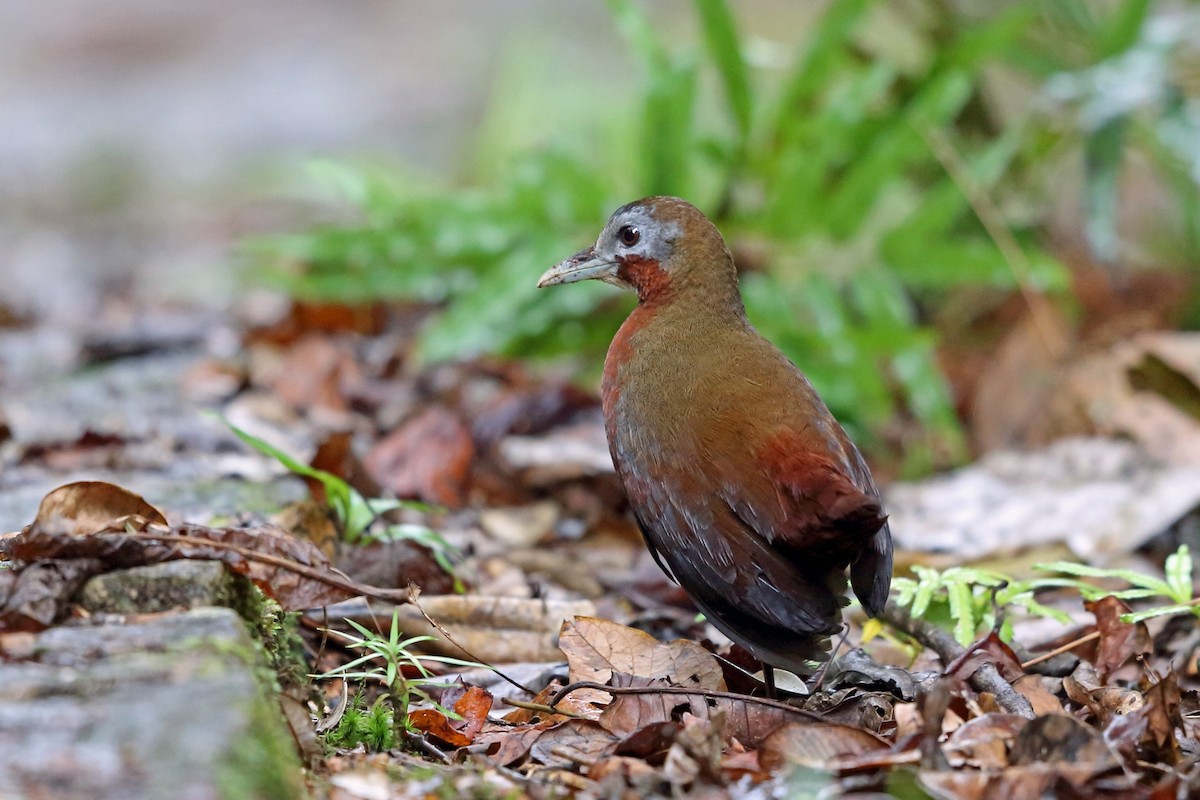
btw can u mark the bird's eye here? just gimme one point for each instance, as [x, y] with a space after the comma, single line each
[629, 235]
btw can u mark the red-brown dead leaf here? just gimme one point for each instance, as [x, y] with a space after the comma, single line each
[336, 456]
[471, 703]
[429, 457]
[1119, 641]
[91, 450]
[991, 650]
[1043, 701]
[506, 744]
[305, 318]
[316, 372]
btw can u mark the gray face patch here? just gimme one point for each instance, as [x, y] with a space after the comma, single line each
[655, 239]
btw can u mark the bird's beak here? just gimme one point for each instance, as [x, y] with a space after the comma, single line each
[582, 266]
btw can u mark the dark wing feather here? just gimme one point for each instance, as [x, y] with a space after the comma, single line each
[748, 589]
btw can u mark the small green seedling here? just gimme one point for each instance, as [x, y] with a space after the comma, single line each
[358, 514]
[384, 660]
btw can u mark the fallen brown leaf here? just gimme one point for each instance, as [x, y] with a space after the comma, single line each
[472, 705]
[77, 509]
[596, 649]
[429, 457]
[1119, 641]
[110, 527]
[984, 742]
[815, 744]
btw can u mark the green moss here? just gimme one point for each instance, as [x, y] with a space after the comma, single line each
[262, 762]
[371, 727]
[277, 631]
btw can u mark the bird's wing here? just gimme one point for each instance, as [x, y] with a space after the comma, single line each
[708, 548]
[817, 508]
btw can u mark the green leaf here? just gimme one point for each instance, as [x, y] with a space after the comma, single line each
[1103, 157]
[962, 611]
[721, 39]
[1164, 611]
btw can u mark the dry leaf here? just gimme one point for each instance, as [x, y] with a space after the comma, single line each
[429, 457]
[1119, 641]
[984, 742]
[815, 744]
[471, 703]
[54, 534]
[596, 649]
[77, 509]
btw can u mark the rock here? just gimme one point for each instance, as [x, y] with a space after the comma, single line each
[169, 706]
[162, 587]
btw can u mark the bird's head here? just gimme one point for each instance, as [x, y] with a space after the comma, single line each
[657, 246]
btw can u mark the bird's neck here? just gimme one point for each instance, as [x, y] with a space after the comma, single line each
[667, 332]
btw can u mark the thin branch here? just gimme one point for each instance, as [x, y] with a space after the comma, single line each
[1058, 651]
[539, 707]
[397, 596]
[413, 592]
[985, 679]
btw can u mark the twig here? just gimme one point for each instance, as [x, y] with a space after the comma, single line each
[540, 707]
[985, 679]
[413, 592]
[422, 744]
[1058, 651]
[346, 584]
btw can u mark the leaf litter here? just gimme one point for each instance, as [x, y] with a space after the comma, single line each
[634, 695]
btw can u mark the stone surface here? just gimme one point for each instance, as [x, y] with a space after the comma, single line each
[167, 706]
[163, 587]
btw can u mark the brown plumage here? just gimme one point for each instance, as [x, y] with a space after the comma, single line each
[749, 493]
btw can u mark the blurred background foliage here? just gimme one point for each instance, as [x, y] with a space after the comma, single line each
[898, 176]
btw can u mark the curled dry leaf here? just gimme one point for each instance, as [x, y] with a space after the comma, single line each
[113, 528]
[471, 703]
[32, 599]
[984, 742]
[84, 507]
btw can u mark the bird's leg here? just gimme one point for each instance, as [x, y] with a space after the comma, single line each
[815, 686]
[769, 680]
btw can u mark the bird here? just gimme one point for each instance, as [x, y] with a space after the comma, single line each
[748, 492]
